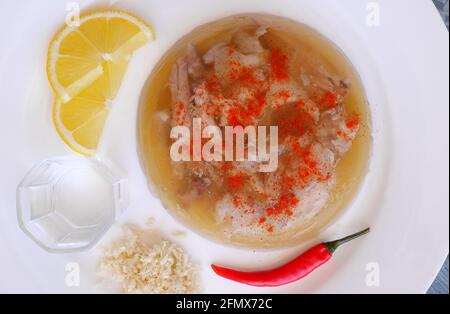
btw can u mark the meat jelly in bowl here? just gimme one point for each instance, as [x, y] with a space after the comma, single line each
[255, 71]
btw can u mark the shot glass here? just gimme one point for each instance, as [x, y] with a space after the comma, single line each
[66, 204]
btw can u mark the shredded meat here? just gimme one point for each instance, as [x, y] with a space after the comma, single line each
[196, 68]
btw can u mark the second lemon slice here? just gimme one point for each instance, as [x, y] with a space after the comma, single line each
[80, 120]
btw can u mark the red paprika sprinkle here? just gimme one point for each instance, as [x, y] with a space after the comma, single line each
[237, 202]
[212, 84]
[328, 100]
[278, 62]
[352, 123]
[236, 182]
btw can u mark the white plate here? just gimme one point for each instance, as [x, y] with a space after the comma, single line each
[403, 63]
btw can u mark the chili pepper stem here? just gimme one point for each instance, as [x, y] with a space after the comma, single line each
[333, 245]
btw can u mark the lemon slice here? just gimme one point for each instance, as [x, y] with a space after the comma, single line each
[80, 121]
[77, 54]
[85, 67]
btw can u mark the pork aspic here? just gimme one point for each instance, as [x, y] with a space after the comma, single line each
[245, 83]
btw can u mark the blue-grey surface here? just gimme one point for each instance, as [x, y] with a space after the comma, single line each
[440, 284]
[442, 6]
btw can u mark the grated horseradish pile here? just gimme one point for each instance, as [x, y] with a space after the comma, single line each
[140, 266]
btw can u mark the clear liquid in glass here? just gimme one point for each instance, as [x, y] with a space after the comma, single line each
[67, 204]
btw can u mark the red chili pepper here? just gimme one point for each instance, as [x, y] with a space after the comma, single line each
[290, 272]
